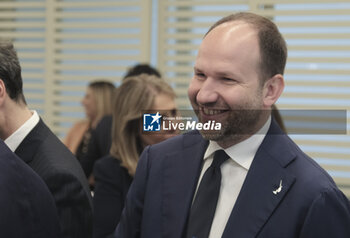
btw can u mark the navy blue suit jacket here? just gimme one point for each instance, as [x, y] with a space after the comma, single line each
[308, 205]
[27, 209]
[64, 177]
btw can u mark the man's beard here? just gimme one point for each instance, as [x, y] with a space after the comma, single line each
[240, 123]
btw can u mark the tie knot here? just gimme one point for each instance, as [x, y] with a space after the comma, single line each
[220, 157]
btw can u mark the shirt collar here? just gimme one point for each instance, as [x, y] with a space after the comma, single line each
[242, 153]
[14, 140]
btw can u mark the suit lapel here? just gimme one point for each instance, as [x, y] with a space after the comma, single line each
[180, 175]
[261, 192]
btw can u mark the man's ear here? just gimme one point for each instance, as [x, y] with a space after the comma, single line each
[272, 90]
[3, 92]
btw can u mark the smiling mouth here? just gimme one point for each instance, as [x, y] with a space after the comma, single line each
[211, 112]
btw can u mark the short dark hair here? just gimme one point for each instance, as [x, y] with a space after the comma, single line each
[273, 47]
[142, 69]
[10, 71]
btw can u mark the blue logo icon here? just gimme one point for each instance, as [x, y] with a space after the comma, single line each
[151, 122]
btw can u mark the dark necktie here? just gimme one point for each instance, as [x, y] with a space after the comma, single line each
[204, 205]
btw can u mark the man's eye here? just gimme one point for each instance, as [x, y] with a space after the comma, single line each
[228, 80]
[199, 75]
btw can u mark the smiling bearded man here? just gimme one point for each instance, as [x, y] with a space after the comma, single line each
[249, 180]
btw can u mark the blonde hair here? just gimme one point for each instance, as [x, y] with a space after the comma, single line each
[136, 94]
[104, 93]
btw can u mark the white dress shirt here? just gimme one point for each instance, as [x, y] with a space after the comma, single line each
[14, 140]
[233, 173]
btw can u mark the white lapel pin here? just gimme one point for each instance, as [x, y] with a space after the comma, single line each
[279, 189]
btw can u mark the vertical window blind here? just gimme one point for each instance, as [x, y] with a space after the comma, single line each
[65, 44]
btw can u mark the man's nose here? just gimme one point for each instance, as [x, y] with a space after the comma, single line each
[208, 92]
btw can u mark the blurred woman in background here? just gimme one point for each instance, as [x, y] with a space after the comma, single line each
[97, 103]
[114, 173]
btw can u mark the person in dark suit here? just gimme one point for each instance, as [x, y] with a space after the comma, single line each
[27, 135]
[27, 207]
[247, 178]
[114, 172]
[100, 142]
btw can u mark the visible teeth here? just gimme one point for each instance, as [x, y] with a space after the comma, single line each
[211, 111]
